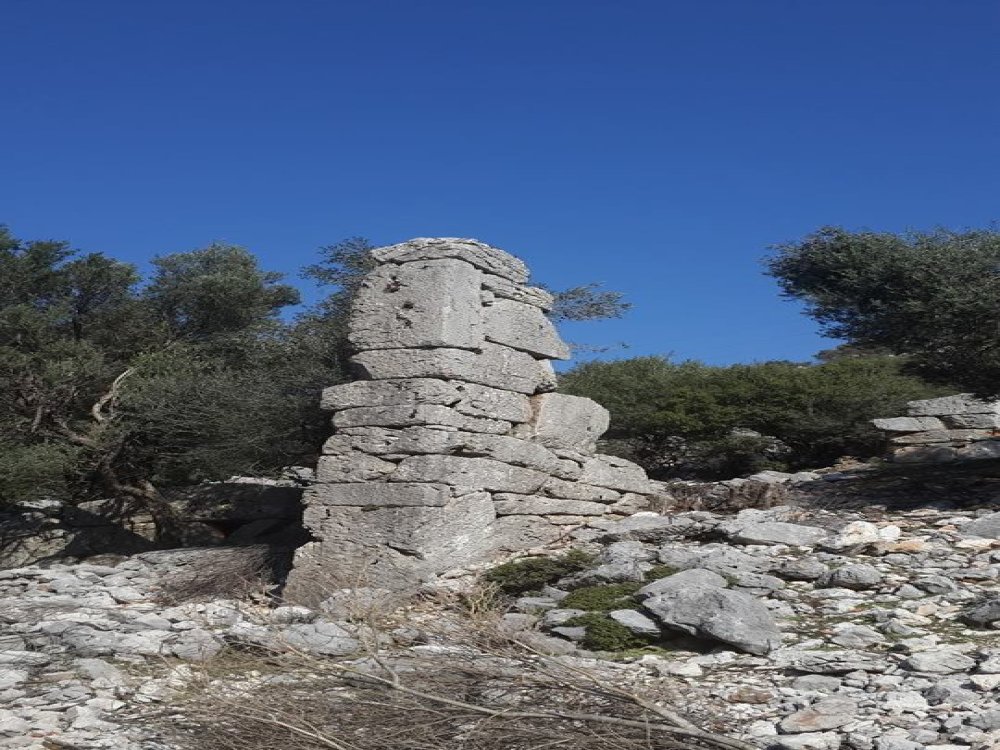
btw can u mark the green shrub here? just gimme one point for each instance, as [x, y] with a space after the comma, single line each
[604, 634]
[532, 573]
[602, 598]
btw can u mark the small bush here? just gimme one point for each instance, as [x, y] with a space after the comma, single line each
[601, 598]
[532, 573]
[604, 634]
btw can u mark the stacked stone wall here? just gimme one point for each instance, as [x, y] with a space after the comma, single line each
[452, 446]
[950, 428]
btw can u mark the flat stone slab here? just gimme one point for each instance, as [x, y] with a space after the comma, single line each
[509, 504]
[494, 365]
[473, 473]
[417, 414]
[380, 494]
[478, 254]
[908, 424]
[616, 474]
[427, 303]
[961, 403]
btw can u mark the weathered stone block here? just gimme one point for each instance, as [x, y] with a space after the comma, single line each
[566, 422]
[419, 414]
[508, 504]
[925, 454]
[467, 398]
[961, 403]
[352, 466]
[392, 548]
[507, 289]
[615, 473]
[579, 491]
[523, 327]
[494, 365]
[474, 473]
[428, 303]
[484, 257]
[908, 424]
[940, 436]
[379, 495]
[972, 421]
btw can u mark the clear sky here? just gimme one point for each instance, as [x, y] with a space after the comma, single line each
[658, 146]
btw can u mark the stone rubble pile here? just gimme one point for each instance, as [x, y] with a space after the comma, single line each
[799, 630]
[950, 428]
[453, 445]
[810, 630]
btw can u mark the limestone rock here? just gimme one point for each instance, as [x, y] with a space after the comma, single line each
[475, 473]
[524, 327]
[484, 257]
[718, 614]
[908, 424]
[561, 421]
[508, 504]
[776, 532]
[419, 414]
[426, 303]
[962, 403]
[493, 365]
[615, 473]
[379, 495]
[466, 398]
[507, 289]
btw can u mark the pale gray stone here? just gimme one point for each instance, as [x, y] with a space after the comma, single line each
[510, 504]
[829, 662]
[566, 422]
[942, 661]
[379, 495]
[940, 436]
[857, 577]
[987, 527]
[635, 621]
[473, 473]
[616, 474]
[518, 532]
[560, 488]
[717, 614]
[523, 327]
[466, 398]
[325, 638]
[352, 466]
[507, 289]
[776, 532]
[962, 403]
[983, 614]
[681, 580]
[493, 365]
[909, 424]
[394, 548]
[484, 257]
[420, 304]
[828, 713]
[417, 414]
[972, 421]
[804, 569]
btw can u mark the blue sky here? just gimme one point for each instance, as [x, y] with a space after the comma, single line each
[656, 146]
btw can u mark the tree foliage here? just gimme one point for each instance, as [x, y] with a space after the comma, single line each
[934, 296]
[689, 418]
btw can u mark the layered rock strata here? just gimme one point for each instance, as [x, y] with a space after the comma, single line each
[452, 446]
[949, 428]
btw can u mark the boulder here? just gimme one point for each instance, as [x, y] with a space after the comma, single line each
[717, 614]
[776, 532]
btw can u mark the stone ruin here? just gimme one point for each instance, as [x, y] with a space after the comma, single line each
[949, 428]
[452, 447]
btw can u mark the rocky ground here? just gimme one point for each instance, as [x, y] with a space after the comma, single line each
[795, 629]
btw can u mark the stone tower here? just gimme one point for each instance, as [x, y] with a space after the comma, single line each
[452, 445]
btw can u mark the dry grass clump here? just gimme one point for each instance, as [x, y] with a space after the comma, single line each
[486, 692]
[230, 572]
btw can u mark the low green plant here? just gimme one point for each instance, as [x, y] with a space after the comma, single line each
[659, 571]
[603, 598]
[604, 634]
[532, 573]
